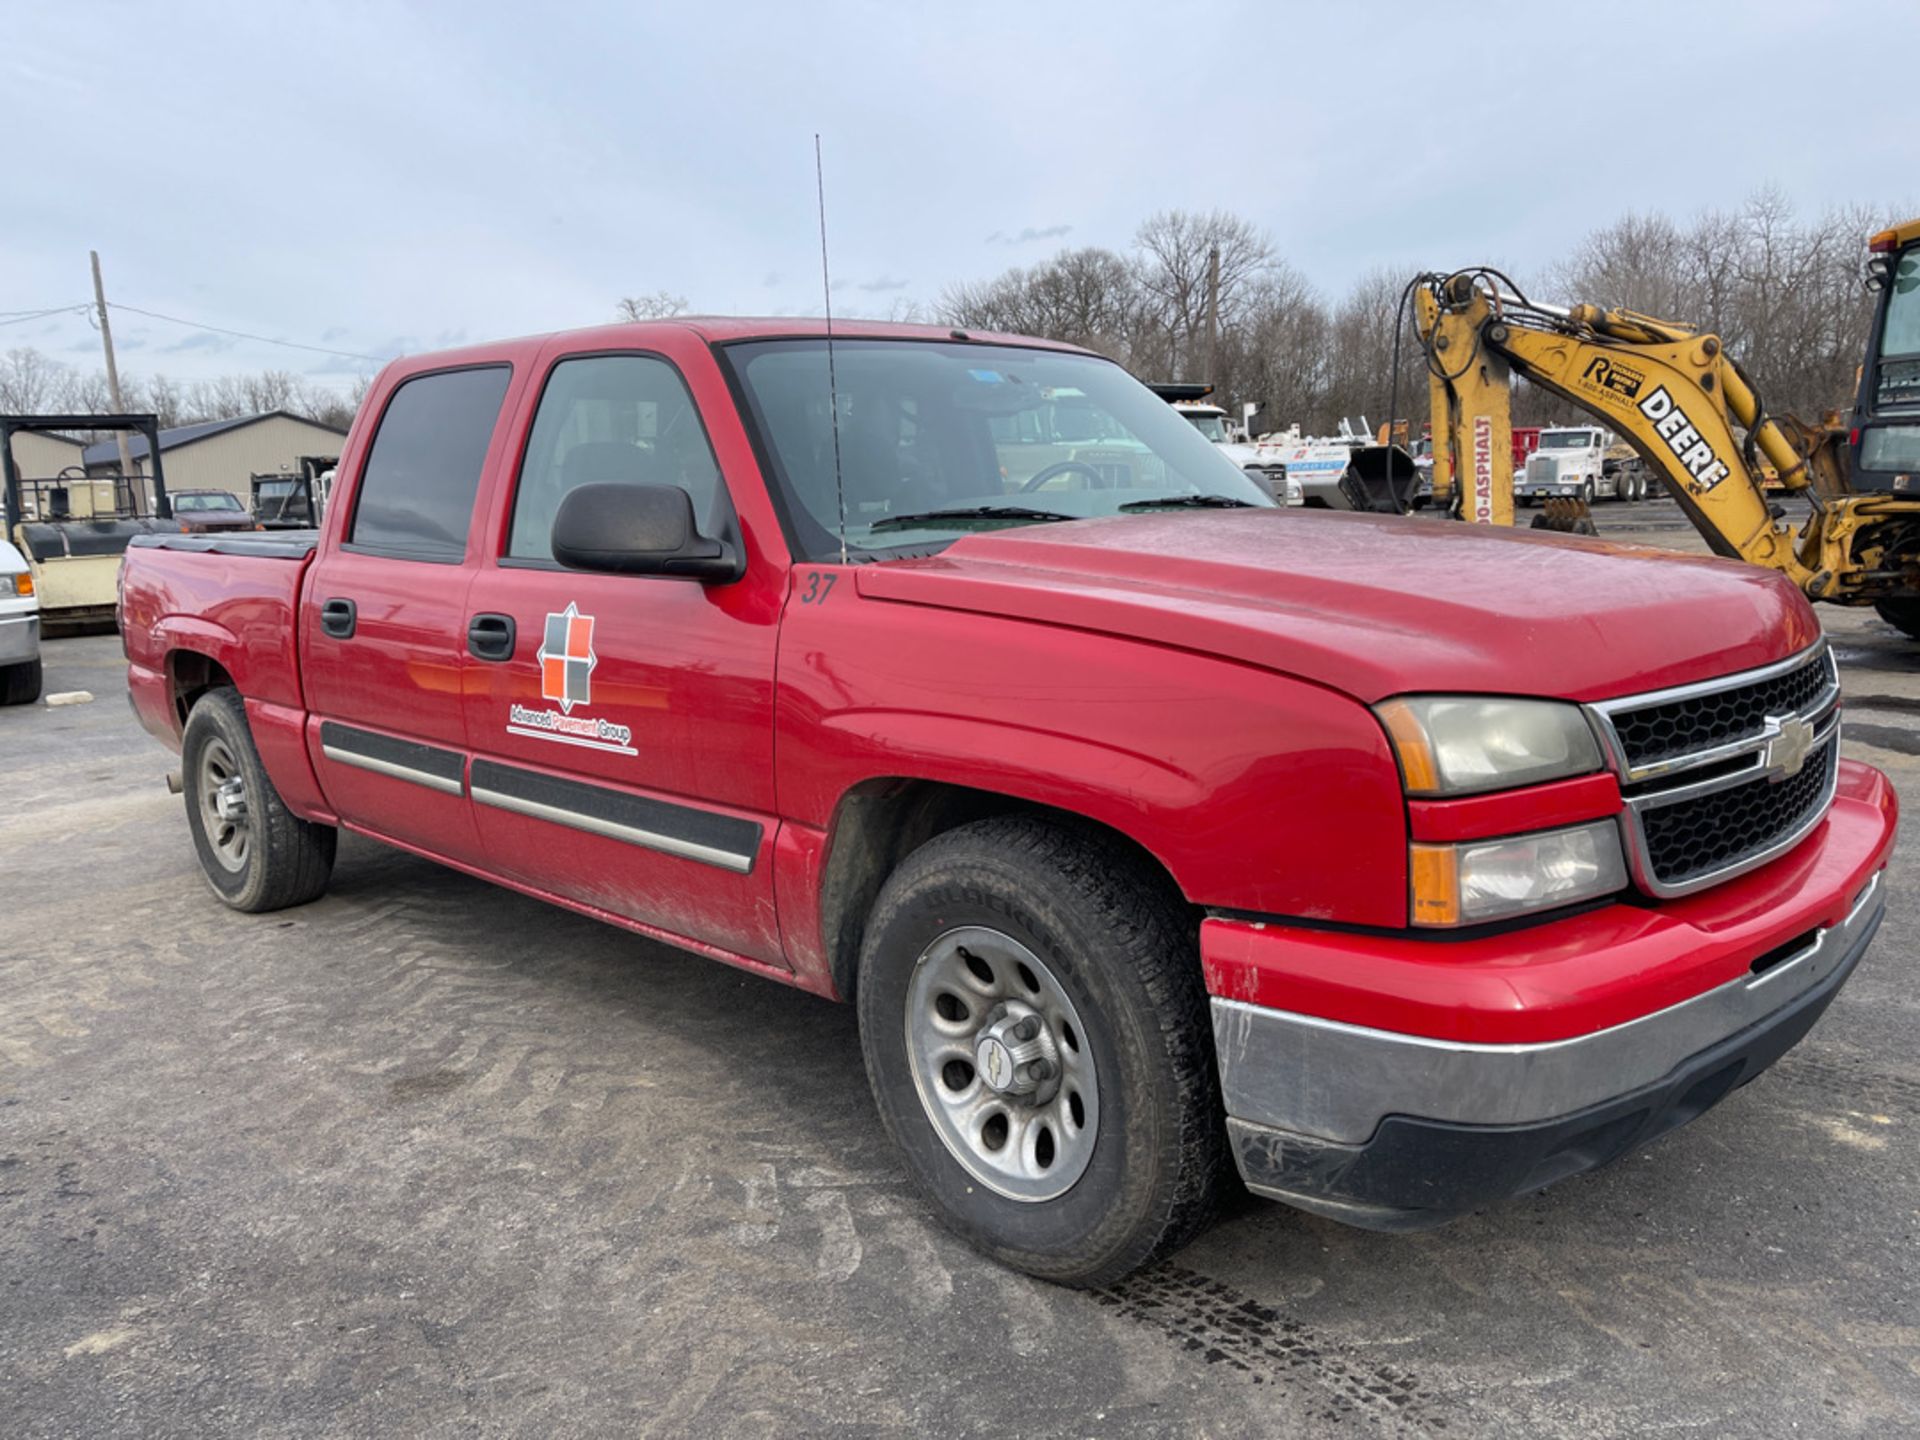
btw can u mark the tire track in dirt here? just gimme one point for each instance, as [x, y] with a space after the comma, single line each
[1239, 1334]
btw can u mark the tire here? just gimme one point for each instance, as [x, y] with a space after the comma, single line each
[1105, 941]
[262, 857]
[1903, 614]
[1586, 494]
[20, 684]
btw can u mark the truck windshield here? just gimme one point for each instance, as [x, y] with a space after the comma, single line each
[1214, 427]
[1567, 440]
[938, 440]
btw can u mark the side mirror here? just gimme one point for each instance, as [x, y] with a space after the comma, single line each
[638, 530]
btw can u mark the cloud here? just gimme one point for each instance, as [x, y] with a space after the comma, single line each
[202, 341]
[881, 284]
[772, 280]
[1029, 235]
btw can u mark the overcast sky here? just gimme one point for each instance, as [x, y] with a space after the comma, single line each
[379, 178]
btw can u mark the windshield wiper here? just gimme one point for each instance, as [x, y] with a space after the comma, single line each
[968, 512]
[1191, 502]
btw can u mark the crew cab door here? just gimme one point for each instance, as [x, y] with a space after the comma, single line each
[383, 627]
[622, 725]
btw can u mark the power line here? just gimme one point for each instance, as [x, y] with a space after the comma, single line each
[20, 317]
[243, 335]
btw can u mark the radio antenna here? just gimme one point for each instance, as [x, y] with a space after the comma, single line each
[833, 387]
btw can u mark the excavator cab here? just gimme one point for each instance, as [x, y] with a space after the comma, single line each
[1884, 441]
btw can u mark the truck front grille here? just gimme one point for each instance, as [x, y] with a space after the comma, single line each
[1722, 776]
[1719, 830]
[1661, 732]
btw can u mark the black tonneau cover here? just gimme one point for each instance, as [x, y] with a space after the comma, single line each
[266, 544]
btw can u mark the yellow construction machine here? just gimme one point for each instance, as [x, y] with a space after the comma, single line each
[1696, 420]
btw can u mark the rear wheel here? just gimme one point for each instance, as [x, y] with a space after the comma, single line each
[1038, 1042]
[1902, 614]
[256, 854]
[20, 684]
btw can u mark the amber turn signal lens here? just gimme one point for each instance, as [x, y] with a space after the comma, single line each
[1421, 775]
[1436, 884]
[23, 583]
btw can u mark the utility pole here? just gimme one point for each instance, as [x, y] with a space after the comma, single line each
[1213, 315]
[113, 374]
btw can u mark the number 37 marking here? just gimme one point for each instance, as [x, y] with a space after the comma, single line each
[819, 587]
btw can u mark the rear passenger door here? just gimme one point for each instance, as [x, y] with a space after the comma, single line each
[383, 625]
[623, 735]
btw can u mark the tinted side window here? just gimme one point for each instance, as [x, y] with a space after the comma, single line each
[416, 495]
[610, 419]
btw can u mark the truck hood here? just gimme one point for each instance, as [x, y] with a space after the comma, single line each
[1375, 605]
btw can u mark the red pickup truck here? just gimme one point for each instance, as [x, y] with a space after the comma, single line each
[1146, 824]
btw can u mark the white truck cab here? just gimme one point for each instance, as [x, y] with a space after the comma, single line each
[1212, 421]
[1571, 464]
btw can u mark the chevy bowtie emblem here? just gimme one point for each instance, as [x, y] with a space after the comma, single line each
[1787, 751]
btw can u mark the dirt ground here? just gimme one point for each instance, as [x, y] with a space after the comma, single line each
[428, 1158]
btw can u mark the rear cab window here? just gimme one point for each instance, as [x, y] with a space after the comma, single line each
[416, 493]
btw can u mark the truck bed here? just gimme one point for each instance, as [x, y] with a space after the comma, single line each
[232, 597]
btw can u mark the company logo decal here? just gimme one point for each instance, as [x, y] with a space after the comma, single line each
[1482, 470]
[567, 659]
[1605, 373]
[1686, 442]
[567, 663]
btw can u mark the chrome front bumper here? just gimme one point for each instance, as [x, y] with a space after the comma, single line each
[1328, 1081]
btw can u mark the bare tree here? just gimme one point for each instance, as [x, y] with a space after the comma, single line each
[30, 383]
[657, 305]
[1175, 249]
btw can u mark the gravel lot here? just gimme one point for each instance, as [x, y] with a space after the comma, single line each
[428, 1158]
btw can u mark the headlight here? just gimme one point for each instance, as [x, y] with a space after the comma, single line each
[1482, 880]
[1460, 746]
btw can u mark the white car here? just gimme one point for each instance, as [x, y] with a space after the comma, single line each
[19, 630]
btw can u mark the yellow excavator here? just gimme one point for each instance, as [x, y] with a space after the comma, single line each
[1695, 419]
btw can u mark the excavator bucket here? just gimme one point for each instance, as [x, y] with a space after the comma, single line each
[1381, 478]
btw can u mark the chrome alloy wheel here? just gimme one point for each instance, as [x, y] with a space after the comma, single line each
[1002, 1064]
[222, 792]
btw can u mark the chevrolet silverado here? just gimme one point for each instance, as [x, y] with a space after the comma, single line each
[1154, 830]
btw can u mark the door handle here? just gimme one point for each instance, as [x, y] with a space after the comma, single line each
[338, 618]
[490, 637]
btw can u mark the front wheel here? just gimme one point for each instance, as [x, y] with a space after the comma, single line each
[1038, 1041]
[256, 854]
[20, 684]
[1903, 614]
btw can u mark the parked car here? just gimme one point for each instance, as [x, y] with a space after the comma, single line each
[19, 629]
[201, 512]
[1145, 823]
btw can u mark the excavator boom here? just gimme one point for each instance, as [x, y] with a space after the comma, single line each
[1684, 406]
